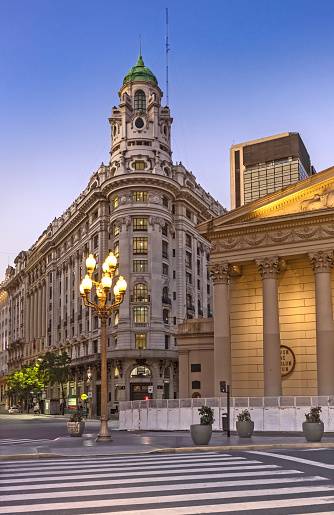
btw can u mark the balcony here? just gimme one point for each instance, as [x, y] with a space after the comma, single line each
[166, 300]
[190, 307]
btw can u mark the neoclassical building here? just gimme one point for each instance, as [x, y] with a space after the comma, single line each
[145, 209]
[272, 266]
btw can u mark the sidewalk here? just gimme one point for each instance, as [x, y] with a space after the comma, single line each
[134, 442]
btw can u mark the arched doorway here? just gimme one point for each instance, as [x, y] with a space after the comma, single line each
[140, 381]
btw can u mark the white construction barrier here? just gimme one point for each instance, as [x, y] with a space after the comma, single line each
[268, 413]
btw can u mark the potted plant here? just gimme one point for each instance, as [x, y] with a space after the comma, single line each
[313, 427]
[76, 424]
[201, 433]
[245, 425]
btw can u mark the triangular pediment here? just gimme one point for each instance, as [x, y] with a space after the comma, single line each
[316, 193]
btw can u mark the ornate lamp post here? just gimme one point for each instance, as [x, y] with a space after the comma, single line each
[103, 311]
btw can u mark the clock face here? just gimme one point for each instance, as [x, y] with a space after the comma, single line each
[139, 123]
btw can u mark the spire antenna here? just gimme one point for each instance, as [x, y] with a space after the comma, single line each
[140, 45]
[167, 50]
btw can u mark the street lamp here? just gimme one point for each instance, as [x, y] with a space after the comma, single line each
[103, 311]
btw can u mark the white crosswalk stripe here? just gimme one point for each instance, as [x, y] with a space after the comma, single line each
[158, 485]
[21, 441]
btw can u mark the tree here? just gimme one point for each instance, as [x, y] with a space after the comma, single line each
[56, 369]
[25, 383]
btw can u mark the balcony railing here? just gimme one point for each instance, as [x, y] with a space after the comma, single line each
[139, 298]
[166, 300]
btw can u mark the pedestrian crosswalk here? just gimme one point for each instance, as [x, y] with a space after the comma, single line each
[160, 485]
[21, 441]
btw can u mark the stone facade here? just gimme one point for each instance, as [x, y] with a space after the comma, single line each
[272, 265]
[145, 209]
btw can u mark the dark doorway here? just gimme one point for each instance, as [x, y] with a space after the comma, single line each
[139, 392]
[98, 400]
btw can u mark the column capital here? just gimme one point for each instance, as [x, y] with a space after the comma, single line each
[322, 261]
[219, 273]
[270, 267]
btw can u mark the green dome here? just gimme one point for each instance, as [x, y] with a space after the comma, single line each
[140, 72]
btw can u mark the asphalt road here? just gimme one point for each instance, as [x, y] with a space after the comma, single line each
[242, 483]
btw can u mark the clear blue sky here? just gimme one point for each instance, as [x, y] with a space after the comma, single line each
[238, 71]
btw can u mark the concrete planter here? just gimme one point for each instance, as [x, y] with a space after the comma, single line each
[76, 428]
[245, 428]
[201, 434]
[313, 431]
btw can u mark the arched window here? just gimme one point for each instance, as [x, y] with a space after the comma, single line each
[140, 100]
[165, 298]
[141, 371]
[140, 293]
[189, 302]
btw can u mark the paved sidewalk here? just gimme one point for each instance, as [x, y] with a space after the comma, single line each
[130, 442]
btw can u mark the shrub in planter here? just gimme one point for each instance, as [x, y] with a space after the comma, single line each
[76, 424]
[201, 433]
[245, 425]
[313, 427]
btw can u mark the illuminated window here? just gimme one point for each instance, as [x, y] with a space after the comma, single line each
[115, 201]
[139, 196]
[116, 230]
[140, 100]
[140, 293]
[139, 246]
[139, 165]
[116, 249]
[140, 315]
[141, 265]
[140, 371]
[140, 224]
[116, 317]
[140, 341]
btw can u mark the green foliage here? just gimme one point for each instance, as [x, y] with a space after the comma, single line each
[56, 368]
[206, 413]
[76, 416]
[25, 383]
[314, 415]
[244, 416]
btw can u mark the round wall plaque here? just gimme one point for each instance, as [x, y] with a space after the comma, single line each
[288, 360]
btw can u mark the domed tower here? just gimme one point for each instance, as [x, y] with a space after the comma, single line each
[140, 126]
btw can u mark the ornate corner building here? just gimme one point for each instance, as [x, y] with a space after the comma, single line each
[145, 209]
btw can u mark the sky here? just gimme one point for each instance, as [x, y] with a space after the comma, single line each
[238, 71]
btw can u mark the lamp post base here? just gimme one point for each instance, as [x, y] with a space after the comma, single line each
[104, 435]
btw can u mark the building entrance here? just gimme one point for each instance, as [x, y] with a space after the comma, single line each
[139, 392]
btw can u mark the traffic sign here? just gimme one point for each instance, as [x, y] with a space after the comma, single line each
[84, 396]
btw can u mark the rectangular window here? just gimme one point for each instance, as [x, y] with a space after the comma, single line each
[188, 240]
[140, 246]
[173, 252]
[95, 346]
[198, 268]
[166, 342]
[174, 295]
[208, 289]
[188, 214]
[140, 341]
[164, 269]
[165, 230]
[140, 224]
[116, 249]
[115, 202]
[165, 201]
[116, 230]
[141, 265]
[139, 165]
[195, 367]
[139, 196]
[189, 279]
[96, 241]
[164, 249]
[196, 385]
[140, 314]
[188, 259]
[174, 320]
[115, 341]
[165, 316]
[198, 284]
[174, 274]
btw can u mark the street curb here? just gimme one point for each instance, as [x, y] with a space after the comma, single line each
[172, 450]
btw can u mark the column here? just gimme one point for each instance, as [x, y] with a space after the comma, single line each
[222, 338]
[27, 332]
[269, 269]
[35, 312]
[39, 311]
[322, 263]
[44, 304]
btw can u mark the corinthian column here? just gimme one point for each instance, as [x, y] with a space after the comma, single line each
[322, 262]
[269, 269]
[222, 339]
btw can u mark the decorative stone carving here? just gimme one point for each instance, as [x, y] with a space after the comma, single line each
[154, 198]
[270, 267]
[153, 220]
[322, 261]
[220, 273]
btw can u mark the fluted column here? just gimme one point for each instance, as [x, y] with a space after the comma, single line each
[222, 339]
[28, 319]
[39, 311]
[44, 303]
[269, 269]
[322, 263]
[35, 313]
